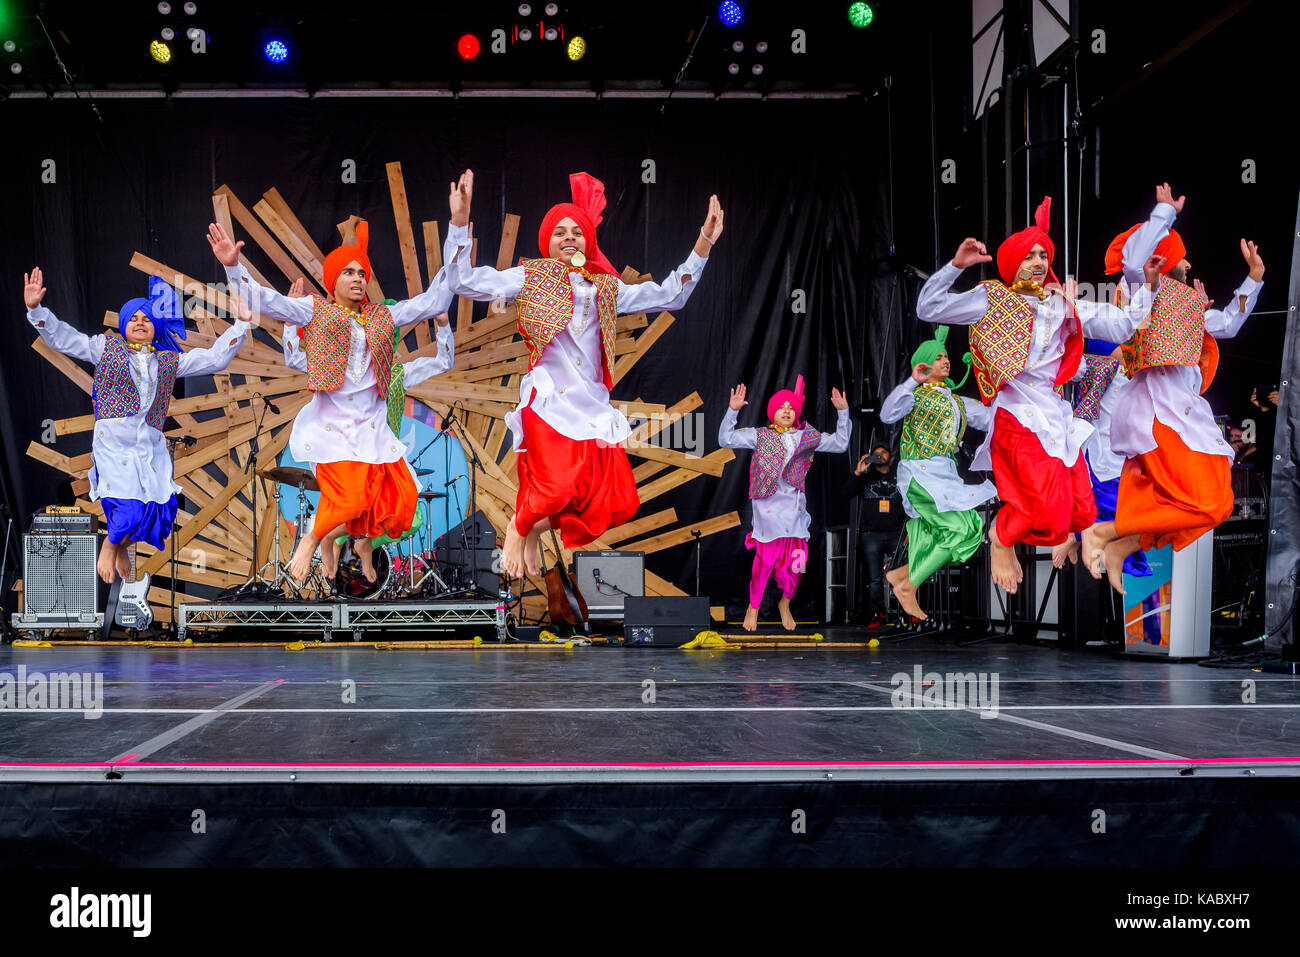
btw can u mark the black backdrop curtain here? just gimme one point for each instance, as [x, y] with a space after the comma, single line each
[803, 213]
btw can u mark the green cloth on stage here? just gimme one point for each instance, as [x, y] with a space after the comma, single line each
[936, 538]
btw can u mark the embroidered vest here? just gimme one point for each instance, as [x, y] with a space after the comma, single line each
[765, 465]
[545, 307]
[1175, 336]
[931, 428]
[328, 337]
[1099, 373]
[397, 399]
[114, 395]
[1000, 341]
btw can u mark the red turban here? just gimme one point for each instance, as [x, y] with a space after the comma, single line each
[795, 399]
[336, 261]
[1171, 247]
[588, 203]
[1016, 247]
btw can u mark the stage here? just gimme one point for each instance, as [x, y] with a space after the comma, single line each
[363, 754]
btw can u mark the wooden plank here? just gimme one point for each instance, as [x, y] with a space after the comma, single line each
[509, 235]
[643, 343]
[286, 214]
[432, 248]
[670, 481]
[297, 248]
[221, 210]
[492, 327]
[275, 387]
[643, 472]
[431, 389]
[266, 242]
[406, 243]
[654, 585]
[497, 370]
[700, 463]
[679, 536]
[465, 305]
[214, 297]
[267, 527]
[66, 365]
[287, 411]
[348, 231]
[56, 460]
[640, 526]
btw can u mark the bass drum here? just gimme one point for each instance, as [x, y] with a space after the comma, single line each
[350, 582]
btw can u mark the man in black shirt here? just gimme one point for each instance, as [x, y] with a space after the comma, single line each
[882, 519]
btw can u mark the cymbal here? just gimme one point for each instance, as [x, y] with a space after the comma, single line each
[291, 476]
[430, 494]
[424, 471]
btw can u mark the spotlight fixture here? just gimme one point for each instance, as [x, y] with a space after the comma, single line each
[164, 8]
[551, 33]
[167, 33]
[577, 48]
[525, 34]
[761, 46]
[733, 68]
[552, 9]
[860, 14]
[756, 69]
[193, 33]
[737, 47]
[15, 68]
[525, 9]
[10, 46]
[277, 51]
[730, 12]
[467, 46]
[160, 51]
[191, 9]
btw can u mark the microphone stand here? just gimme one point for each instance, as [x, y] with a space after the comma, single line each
[5, 624]
[172, 442]
[696, 532]
[254, 582]
[475, 464]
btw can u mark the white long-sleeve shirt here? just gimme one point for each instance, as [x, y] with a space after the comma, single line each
[1172, 394]
[130, 456]
[938, 474]
[784, 513]
[350, 423]
[1030, 396]
[414, 371]
[570, 388]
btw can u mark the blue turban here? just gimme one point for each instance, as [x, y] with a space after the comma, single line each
[163, 307]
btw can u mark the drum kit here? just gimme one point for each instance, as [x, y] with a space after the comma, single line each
[401, 571]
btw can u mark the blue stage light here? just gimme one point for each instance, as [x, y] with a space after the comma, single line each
[730, 12]
[277, 51]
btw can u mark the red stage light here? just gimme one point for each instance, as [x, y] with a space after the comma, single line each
[467, 46]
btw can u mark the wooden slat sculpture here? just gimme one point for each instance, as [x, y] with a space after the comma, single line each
[214, 539]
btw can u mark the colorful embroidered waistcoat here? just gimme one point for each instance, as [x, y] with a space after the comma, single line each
[545, 307]
[114, 395]
[931, 428]
[1175, 336]
[1000, 341]
[328, 338]
[765, 466]
[1099, 373]
[397, 399]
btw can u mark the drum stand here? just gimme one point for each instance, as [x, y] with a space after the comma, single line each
[432, 571]
[281, 573]
[315, 579]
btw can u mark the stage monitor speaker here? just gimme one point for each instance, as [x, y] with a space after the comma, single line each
[59, 581]
[606, 579]
[664, 622]
[478, 534]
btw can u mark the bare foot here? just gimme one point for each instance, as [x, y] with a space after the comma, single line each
[787, 619]
[751, 620]
[905, 592]
[1068, 549]
[1093, 544]
[533, 550]
[123, 562]
[512, 552]
[1006, 568]
[300, 566]
[329, 558]
[365, 550]
[106, 567]
[1116, 552]
[896, 575]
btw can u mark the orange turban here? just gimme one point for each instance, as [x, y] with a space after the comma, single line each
[339, 258]
[1171, 247]
[1016, 247]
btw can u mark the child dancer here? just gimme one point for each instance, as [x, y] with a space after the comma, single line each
[367, 489]
[135, 369]
[1176, 484]
[573, 472]
[943, 526]
[1026, 341]
[777, 470]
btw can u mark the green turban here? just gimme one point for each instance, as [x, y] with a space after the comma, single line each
[930, 350]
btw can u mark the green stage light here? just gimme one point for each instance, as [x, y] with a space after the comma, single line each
[860, 14]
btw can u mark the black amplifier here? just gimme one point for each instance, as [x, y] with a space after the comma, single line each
[663, 622]
[61, 520]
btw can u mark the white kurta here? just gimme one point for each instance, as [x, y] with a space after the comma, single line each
[1172, 394]
[350, 423]
[938, 474]
[130, 456]
[1105, 463]
[1030, 396]
[784, 513]
[570, 388]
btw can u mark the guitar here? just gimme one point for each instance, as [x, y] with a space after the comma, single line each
[129, 600]
[564, 602]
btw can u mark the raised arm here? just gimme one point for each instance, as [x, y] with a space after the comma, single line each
[978, 415]
[1140, 246]
[730, 437]
[1101, 320]
[901, 401]
[673, 292]
[937, 304]
[426, 367]
[267, 302]
[838, 441]
[432, 302]
[1226, 323]
[220, 353]
[58, 335]
[480, 283]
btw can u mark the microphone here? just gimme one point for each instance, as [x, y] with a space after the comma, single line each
[448, 417]
[453, 481]
[269, 404]
[189, 440]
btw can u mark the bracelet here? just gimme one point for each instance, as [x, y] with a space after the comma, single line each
[705, 238]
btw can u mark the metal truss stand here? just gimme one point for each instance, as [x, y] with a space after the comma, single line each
[353, 617]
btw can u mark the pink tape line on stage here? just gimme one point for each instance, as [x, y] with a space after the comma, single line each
[646, 764]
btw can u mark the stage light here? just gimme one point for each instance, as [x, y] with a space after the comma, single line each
[525, 34]
[860, 14]
[525, 9]
[193, 33]
[191, 9]
[737, 47]
[733, 68]
[277, 51]
[10, 46]
[756, 69]
[552, 9]
[730, 12]
[551, 33]
[467, 46]
[15, 68]
[160, 51]
[168, 33]
[761, 46]
[164, 8]
[577, 48]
